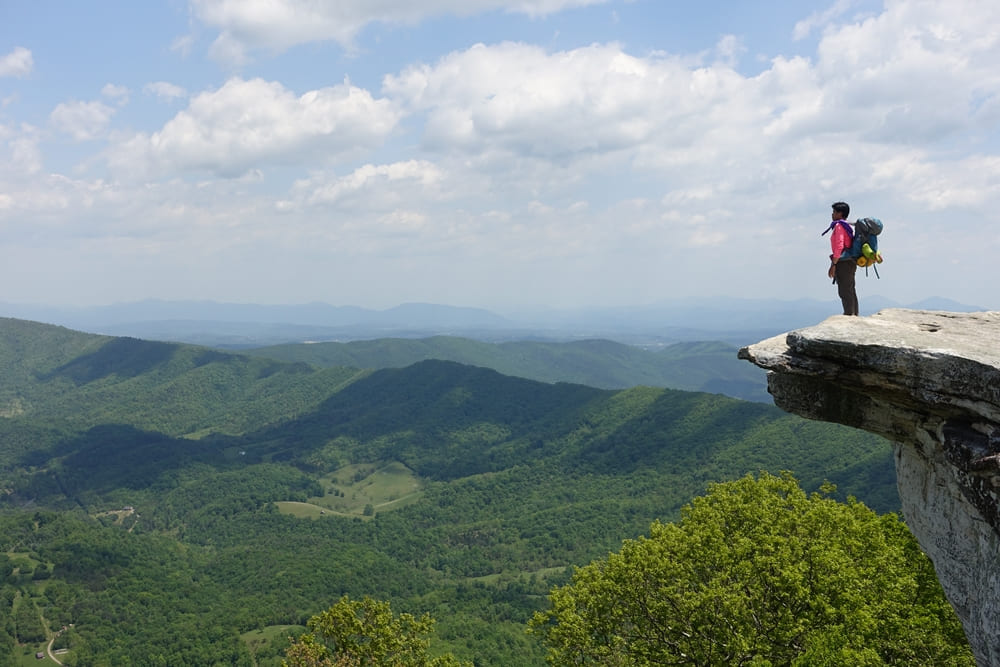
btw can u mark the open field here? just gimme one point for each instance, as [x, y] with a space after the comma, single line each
[26, 655]
[263, 643]
[360, 490]
[543, 573]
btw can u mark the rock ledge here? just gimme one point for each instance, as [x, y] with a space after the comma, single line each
[929, 381]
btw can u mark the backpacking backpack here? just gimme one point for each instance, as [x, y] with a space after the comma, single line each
[864, 242]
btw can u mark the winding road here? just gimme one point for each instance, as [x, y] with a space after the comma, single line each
[48, 649]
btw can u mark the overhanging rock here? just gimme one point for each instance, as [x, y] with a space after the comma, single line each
[929, 381]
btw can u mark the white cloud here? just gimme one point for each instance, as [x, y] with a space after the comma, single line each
[249, 123]
[822, 18]
[729, 49]
[374, 187]
[518, 98]
[17, 63]
[959, 184]
[183, 45]
[529, 7]
[921, 67]
[276, 25]
[81, 120]
[919, 74]
[25, 155]
[165, 91]
[20, 156]
[118, 94]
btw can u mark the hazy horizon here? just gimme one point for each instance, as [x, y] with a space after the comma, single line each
[666, 301]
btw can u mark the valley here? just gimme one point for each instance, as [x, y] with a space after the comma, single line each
[176, 501]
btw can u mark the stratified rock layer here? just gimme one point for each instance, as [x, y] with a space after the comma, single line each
[930, 382]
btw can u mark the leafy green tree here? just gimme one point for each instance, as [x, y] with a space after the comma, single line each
[757, 572]
[353, 633]
[27, 622]
[7, 595]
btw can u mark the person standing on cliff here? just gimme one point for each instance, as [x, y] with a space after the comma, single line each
[843, 269]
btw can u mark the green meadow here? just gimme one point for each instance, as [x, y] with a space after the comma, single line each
[359, 490]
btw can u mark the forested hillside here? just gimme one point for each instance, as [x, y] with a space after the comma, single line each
[56, 381]
[711, 367]
[178, 505]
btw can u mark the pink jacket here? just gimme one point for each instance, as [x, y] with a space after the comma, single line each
[840, 240]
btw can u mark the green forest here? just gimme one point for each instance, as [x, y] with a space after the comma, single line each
[691, 366]
[165, 504]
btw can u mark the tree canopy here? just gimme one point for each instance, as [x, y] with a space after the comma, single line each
[757, 572]
[353, 633]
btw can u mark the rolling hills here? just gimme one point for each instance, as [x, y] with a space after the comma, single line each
[169, 500]
[55, 375]
[691, 366]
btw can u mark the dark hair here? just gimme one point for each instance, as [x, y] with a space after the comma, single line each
[841, 207]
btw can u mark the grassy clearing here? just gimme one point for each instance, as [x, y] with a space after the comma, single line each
[360, 490]
[543, 574]
[305, 510]
[119, 517]
[25, 655]
[268, 644]
[22, 562]
[272, 632]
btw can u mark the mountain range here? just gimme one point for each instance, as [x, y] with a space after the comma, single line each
[181, 504]
[693, 366]
[239, 325]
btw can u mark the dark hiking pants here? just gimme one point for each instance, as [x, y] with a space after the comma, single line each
[845, 272]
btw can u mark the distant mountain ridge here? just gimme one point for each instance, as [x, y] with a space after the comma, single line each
[735, 321]
[703, 366]
[309, 314]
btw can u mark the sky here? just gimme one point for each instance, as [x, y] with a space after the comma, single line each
[494, 153]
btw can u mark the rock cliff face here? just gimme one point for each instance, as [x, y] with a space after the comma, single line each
[929, 382]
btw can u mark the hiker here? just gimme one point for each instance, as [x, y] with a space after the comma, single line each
[843, 268]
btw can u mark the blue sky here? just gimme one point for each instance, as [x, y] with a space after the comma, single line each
[491, 153]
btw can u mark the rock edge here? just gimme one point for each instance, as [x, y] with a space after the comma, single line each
[928, 381]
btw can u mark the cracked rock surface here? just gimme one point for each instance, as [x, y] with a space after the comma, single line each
[929, 381]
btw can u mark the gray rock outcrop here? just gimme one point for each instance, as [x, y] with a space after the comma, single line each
[929, 382]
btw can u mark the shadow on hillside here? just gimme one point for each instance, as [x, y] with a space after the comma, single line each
[703, 438]
[114, 456]
[442, 419]
[124, 357]
[678, 431]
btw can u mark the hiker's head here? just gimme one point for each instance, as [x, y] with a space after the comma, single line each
[841, 210]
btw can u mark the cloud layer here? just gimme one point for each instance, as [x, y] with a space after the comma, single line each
[507, 172]
[247, 26]
[251, 124]
[18, 62]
